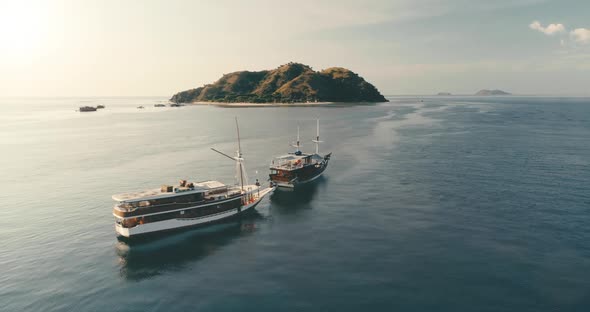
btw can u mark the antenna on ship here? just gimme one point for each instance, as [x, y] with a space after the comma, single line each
[240, 171]
[317, 138]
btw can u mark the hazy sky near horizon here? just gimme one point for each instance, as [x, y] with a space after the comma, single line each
[128, 48]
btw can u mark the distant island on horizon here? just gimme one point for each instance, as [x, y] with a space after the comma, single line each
[483, 92]
[289, 83]
[487, 92]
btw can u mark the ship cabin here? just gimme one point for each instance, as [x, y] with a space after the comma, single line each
[186, 200]
[293, 161]
[184, 195]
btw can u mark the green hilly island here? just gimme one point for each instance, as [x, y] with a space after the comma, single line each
[289, 83]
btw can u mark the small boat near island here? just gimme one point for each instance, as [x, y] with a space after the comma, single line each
[100, 107]
[297, 168]
[87, 109]
[159, 105]
[187, 204]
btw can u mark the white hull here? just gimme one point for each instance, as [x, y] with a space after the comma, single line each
[171, 224]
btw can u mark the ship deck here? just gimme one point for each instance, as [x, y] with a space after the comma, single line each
[291, 162]
[157, 192]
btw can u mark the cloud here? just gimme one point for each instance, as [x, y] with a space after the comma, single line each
[580, 35]
[550, 30]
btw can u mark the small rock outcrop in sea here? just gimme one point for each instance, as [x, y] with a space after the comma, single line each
[444, 93]
[289, 83]
[492, 92]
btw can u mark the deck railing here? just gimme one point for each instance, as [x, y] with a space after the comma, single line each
[286, 164]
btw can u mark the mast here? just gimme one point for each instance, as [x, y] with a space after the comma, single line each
[241, 175]
[240, 159]
[298, 138]
[239, 143]
[297, 145]
[317, 138]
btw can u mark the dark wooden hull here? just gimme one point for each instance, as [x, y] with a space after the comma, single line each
[303, 175]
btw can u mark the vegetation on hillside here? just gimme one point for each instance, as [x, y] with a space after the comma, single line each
[289, 83]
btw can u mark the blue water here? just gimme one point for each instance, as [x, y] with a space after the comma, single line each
[431, 204]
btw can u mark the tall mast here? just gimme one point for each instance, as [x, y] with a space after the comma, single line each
[240, 159]
[317, 138]
[298, 138]
[241, 176]
[239, 144]
[297, 144]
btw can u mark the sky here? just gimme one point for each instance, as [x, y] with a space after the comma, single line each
[157, 48]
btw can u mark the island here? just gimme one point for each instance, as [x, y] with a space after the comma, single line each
[444, 93]
[486, 92]
[289, 83]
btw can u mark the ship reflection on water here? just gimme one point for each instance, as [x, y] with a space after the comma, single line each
[154, 255]
[290, 200]
[142, 259]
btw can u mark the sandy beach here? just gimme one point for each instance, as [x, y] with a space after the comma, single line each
[245, 104]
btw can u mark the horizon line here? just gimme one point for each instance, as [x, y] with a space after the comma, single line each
[385, 95]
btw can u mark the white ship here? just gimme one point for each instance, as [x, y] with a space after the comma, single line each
[187, 204]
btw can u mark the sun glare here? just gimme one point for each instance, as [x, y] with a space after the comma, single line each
[23, 26]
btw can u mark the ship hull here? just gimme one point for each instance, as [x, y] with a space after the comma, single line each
[293, 184]
[179, 224]
[289, 179]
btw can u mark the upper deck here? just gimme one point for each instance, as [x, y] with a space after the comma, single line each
[187, 188]
[293, 161]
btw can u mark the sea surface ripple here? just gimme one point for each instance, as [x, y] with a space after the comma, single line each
[429, 204]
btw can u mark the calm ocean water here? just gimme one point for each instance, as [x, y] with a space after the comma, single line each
[450, 204]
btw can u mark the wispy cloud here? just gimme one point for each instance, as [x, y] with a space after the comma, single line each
[550, 30]
[580, 35]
